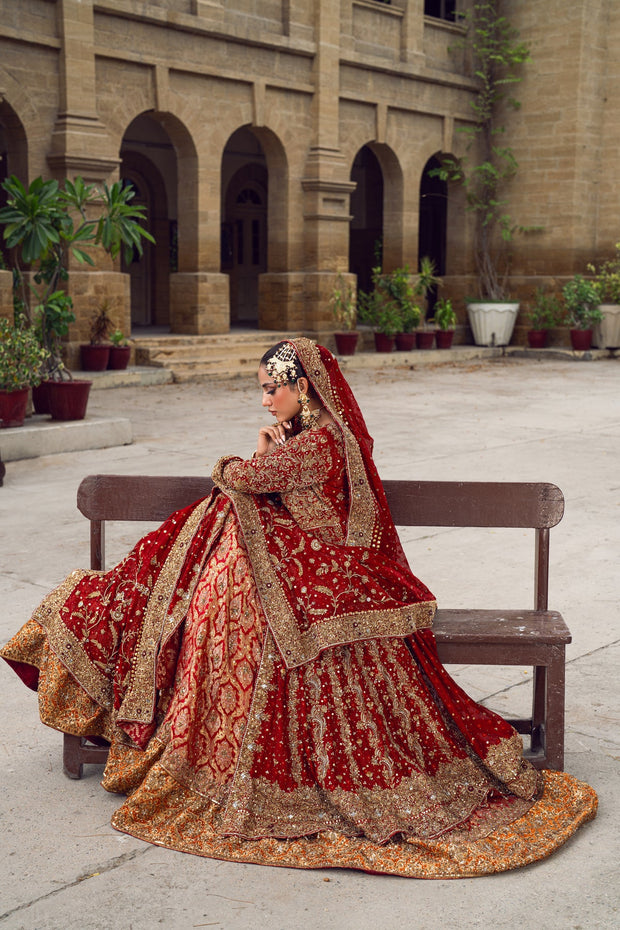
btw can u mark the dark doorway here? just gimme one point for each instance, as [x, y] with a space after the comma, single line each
[13, 154]
[366, 234]
[244, 226]
[433, 221]
[149, 163]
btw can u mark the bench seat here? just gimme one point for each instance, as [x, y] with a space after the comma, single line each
[465, 636]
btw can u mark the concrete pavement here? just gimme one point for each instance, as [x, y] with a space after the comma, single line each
[62, 866]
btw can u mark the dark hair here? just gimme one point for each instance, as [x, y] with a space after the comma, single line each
[269, 354]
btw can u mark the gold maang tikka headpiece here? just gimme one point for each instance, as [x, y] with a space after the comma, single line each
[281, 366]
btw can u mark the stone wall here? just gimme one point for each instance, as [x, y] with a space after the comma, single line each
[314, 81]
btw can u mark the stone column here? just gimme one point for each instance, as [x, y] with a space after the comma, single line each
[80, 144]
[326, 185]
[199, 292]
[6, 295]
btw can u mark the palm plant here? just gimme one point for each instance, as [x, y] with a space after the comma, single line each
[45, 224]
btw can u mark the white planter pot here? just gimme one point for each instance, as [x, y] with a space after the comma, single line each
[607, 332]
[492, 323]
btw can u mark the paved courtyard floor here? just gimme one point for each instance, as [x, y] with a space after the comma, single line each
[62, 867]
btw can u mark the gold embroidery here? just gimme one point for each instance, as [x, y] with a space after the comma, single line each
[139, 701]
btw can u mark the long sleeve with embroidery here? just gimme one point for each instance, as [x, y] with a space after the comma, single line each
[309, 459]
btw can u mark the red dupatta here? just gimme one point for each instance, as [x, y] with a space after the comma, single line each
[361, 590]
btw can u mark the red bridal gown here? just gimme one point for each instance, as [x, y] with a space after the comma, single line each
[274, 696]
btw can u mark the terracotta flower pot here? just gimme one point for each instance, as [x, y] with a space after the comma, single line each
[13, 408]
[384, 343]
[443, 338]
[405, 342]
[94, 357]
[424, 339]
[581, 339]
[537, 338]
[68, 399]
[119, 357]
[346, 343]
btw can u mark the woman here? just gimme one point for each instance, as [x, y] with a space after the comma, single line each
[264, 669]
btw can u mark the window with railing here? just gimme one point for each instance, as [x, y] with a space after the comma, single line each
[441, 9]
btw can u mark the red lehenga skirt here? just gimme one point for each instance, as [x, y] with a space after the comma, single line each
[367, 757]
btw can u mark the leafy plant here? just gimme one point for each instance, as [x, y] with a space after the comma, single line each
[545, 312]
[427, 278]
[444, 315]
[100, 324]
[607, 279]
[379, 312]
[117, 338]
[46, 224]
[344, 305]
[390, 307]
[581, 300]
[22, 357]
[51, 324]
[498, 55]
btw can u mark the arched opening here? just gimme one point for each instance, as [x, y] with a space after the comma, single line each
[149, 162]
[433, 221]
[13, 153]
[366, 230]
[244, 251]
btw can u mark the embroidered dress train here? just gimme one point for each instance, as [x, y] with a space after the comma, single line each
[263, 666]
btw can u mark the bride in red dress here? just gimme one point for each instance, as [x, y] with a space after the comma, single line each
[264, 669]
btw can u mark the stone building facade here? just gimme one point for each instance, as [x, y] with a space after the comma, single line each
[274, 142]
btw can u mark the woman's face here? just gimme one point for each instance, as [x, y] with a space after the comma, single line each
[282, 402]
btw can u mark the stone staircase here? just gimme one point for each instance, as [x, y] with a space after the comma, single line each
[194, 358]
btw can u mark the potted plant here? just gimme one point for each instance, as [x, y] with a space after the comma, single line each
[410, 316]
[120, 350]
[45, 224]
[445, 320]
[21, 364]
[582, 311]
[59, 393]
[544, 314]
[606, 283]
[427, 281]
[380, 309]
[497, 55]
[95, 354]
[343, 303]
[397, 288]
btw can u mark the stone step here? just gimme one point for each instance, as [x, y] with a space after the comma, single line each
[191, 358]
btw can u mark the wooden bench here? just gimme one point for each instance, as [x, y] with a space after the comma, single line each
[534, 638]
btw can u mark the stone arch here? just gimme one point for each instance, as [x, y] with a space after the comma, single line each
[150, 274]
[13, 152]
[377, 211]
[254, 185]
[156, 151]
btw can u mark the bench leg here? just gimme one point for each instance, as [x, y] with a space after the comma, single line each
[539, 708]
[76, 750]
[554, 729]
[71, 763]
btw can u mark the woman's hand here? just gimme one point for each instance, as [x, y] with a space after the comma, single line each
[272, 437]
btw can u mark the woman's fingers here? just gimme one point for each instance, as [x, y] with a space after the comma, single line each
[270, 437]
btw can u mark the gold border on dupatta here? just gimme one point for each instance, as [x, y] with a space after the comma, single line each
[363, 511]
[138, 704]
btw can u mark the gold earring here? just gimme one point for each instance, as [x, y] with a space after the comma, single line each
[305, 414]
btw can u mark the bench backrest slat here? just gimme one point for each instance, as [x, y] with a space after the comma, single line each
[412, 503]
[536, 505]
